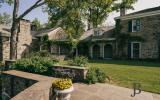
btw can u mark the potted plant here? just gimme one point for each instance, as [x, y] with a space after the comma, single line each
[63, 88]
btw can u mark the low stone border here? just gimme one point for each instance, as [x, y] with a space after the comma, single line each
[76, 73]
[41, 90]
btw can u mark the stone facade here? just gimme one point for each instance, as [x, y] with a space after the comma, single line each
[24, 39]
[150, 32]
[23, 44]
[5, 48]
[77, 74]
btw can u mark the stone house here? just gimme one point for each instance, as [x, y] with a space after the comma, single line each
[143, 27]
[144, 24]
[101, 42]
[55, 35]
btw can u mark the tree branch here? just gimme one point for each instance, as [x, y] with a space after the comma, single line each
[37, 4]
[16, 8]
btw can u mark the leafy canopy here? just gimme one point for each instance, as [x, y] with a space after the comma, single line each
[5, 19]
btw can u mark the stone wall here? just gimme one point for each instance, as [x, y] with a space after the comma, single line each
[5, 48]
[26, 86]
[12, 85]
[150, 31]
[23, 45]
[73, 72]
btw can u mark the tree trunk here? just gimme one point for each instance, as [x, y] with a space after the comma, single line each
[14, 31]
[13, 41]
[15, 25]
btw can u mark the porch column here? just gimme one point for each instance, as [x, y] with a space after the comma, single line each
[59, 50]
[40, 48]
[91, 51]
[101, 50]
[76, 52]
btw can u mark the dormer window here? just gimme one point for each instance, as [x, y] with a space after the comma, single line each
[97, 32]
[134, 25]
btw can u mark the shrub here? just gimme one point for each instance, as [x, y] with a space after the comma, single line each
[96, 75]
[79, 61]
[41, 54]
[44, 54]
[62, 84]
[34, 64]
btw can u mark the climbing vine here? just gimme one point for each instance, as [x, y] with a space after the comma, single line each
[124, 38]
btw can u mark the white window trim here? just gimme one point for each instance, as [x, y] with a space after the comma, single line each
[132, 49]
[133, 25]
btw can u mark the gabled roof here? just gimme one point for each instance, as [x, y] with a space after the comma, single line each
[107, 33]
[44, 32]
[141, 13]
[5, 31]
[57, 34]
[145, 10]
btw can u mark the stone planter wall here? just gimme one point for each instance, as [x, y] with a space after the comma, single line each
[26, 86]
[78, 74]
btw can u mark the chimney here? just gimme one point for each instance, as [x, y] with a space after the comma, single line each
[122, 12]
[24, 38]
[25, 26]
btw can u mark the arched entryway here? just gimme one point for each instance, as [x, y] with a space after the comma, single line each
[108, 51]
[96, 51]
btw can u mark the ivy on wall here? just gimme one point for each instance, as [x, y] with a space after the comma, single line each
[124, 38]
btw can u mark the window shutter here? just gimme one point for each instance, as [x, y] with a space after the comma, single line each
[129, 50]
[130, 26]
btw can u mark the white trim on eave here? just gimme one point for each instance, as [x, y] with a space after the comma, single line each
[139, 15]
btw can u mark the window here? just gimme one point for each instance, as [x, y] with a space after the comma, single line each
[97, 32]
[134, 25]
[135, 49]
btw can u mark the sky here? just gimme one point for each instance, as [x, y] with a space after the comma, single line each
[43, 16]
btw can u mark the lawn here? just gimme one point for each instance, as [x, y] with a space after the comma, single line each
[125, 72]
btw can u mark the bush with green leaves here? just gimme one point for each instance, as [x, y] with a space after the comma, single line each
[79, 61]
[34, 64]
[44, 54]
[95, 75]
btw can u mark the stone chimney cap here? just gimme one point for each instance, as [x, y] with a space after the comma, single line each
[25, 20]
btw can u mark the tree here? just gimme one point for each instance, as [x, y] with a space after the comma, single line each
[5, 19]
[125, 4]
[70, 14]
[37, 23]
[16, 20]
[97, 11]
[67, 14]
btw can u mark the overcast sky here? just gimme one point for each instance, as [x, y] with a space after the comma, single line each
[37, 13]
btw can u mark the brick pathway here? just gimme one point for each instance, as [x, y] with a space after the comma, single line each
[108, 92]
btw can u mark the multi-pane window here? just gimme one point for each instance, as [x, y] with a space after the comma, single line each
[97, 32]
[134, 25]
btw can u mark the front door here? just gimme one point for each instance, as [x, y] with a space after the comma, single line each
[108, 51]
[135, 50]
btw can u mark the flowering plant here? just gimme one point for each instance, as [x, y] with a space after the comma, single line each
[62, 84]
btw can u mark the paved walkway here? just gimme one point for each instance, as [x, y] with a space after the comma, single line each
[108, 92]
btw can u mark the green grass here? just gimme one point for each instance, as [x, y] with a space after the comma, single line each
[125, 72]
